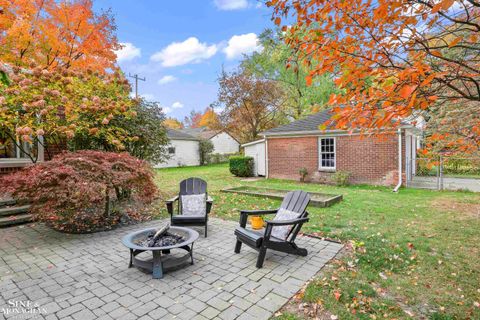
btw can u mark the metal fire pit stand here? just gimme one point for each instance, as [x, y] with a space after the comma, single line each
[162, 261]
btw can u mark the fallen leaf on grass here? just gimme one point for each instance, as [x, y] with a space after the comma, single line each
[337, 295]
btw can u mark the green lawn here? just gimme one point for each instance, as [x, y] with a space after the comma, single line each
[412, 254]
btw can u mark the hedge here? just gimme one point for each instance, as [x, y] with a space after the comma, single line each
[241, 166]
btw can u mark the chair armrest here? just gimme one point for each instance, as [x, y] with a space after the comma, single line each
[169, 204]
[286, 222]
[209, 204]
[245, 213]
[258, 212]
[271, 224]
[171, 200]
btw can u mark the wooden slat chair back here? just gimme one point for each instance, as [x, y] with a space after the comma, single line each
[193, 186]
[296, 201]
[190, 186]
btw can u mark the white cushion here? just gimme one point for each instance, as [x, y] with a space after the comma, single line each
[194, 204]
[281, 232]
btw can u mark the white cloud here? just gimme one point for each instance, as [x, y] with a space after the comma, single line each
[231, 4]
[242, 44]
[148, 96]
[128, 52]
[166, 79]
[177, 105]
[188, 51]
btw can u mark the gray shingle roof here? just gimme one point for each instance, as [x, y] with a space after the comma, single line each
[203, 133]
[179, 135]
[310, 123]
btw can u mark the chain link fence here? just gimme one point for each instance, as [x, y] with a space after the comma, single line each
[444, 172]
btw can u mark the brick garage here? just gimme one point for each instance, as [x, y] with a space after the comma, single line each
[370, 159]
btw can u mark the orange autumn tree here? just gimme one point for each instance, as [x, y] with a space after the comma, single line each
[62, 79]
[210, 119]
[390, 58]
[57, 34]
[173, 123]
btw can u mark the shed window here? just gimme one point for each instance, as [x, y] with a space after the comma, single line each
[327, 153]
[171, 150]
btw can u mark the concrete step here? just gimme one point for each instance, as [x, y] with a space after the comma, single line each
[14, 210]
[10, 221]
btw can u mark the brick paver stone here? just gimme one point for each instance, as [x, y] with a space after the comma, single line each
[81, 277]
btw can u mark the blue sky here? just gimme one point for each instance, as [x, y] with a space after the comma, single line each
[180, 46]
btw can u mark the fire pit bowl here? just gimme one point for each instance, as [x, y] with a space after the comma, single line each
[165, 258]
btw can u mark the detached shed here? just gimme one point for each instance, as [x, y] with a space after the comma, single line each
[183, 150]
[256, 150]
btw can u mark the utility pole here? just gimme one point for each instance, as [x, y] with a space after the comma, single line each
[136, 77]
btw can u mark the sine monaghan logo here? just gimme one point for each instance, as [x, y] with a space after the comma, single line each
[25, 308]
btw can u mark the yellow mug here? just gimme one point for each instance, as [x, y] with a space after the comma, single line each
[257, 222]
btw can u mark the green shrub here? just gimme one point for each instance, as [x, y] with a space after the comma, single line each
[341, 178]
[303, 172]
[215, 158]
[241, 166]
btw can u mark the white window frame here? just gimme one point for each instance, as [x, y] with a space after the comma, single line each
[320, 167]
[22, 162]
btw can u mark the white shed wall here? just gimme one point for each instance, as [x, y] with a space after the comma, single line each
[257, 151]
[224, 143]
[186, 154]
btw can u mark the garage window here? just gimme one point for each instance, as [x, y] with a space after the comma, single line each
[327, 150]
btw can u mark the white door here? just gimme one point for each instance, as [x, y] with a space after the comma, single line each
[260, 159]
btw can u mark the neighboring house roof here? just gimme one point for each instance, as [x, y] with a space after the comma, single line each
[203, 133]
[309, 124]
[179, 135]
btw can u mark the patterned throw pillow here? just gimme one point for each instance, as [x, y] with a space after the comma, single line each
[194, 204]
[281, 232]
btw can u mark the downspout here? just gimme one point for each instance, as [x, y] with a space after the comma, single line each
[266, 156]
[400, 175]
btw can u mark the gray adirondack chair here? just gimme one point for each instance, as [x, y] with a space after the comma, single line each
[190, 186]
[294, 201]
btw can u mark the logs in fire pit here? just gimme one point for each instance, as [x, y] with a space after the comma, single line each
[163, 243]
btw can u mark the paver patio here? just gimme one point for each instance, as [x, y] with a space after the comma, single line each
[87, 276]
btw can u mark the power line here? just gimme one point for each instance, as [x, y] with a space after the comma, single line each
[136, 77]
